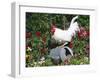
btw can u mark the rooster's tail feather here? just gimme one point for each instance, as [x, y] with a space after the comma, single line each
[72, 21]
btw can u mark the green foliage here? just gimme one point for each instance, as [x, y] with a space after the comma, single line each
[41, 22]
[84, 20]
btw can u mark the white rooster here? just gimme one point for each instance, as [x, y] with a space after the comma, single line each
[65, 35]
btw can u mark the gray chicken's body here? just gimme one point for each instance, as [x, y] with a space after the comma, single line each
[60, 54]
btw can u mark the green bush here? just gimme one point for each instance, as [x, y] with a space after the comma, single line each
[38, 38]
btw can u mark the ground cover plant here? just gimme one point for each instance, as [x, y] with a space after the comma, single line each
[38, 38]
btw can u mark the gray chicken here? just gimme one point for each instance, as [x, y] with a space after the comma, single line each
[61, 54]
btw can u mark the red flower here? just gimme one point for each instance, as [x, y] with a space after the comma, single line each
[83, 33]
[43, 50]
[38, 34]
[87, 48]
[66, 62]
[28, 34]
[71, 44]
[88, 33]
[44, 39]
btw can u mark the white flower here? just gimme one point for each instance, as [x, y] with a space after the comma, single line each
[29, 49]
[41, 62]
[42, 59]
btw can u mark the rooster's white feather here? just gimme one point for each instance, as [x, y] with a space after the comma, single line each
[66, 35]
